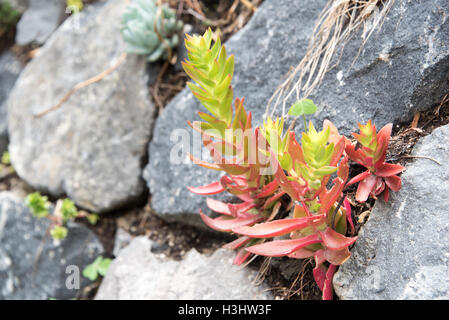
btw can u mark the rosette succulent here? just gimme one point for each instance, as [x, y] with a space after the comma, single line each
[150, 29]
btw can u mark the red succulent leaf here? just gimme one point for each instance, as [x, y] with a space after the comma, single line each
[383, 139]
[355, 155]
[319, 274]
[393, 182]
[268, 189]
[277, 227]
[388, 169]
[343, 169]
[228, 166]
[241, 208]
[337, 257]
[347, 206]
[302, 253]
[379, 187]
[339, 148]
[280, 248]
[248, 124]
[334, 240]
[204, 164]
[365, 188]
[334, 135]
[327, 288]
[225, 224]
[319, 257]
[359, 177]
[237, 243]
[273, 199]
[234, 185]
[299, 211]
[218, 206]
[212, 188]
[386, 194]
[328, 198]
[294, 190]
[294, 149]
[246, 197]
[241, 257]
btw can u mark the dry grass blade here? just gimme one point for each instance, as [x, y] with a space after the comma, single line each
[263, 270]
[336, 25]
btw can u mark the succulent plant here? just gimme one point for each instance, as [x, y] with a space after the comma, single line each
[38, 204]
[380, 176]
[308, 175]
[138, 29]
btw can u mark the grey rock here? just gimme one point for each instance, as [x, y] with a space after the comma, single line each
[137, 273]
[39, 21]
[403, 250]
[92, 148]
[22, 275]
[403, 68]
[10, 69]
[181, 50]
[122, 239]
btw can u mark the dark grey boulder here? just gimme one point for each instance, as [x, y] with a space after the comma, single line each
[22, 274]
[403, 68]
[403, 250]
[94, 146]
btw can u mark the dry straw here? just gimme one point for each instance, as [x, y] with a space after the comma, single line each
[335, 26]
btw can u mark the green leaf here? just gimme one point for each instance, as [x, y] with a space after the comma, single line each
[6, 159]
[99, 267]
[93, 218]
[37, 204]
[68, 210]
[302, 107]
[90, 272]
[104, 266]
[286, 161]
[325, 170]
[59, 232]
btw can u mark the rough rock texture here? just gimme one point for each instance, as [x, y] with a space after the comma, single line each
[39, 21]
[403, 250]
[137, 273]
[10, 69]
[403, 68]
[92, 148]
[21, 237]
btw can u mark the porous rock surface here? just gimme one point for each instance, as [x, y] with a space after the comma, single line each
[10, 68]
[92, 148]
[32, 265]
[138, 273]
[403, 250]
